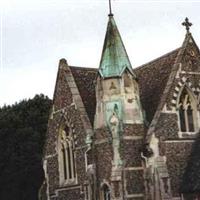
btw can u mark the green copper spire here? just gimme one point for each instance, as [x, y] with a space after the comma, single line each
[114, 59]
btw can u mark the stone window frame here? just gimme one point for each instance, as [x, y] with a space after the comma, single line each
[87, 191]
[196, 197]
[103, 193]
[67, 158]
[196, 114]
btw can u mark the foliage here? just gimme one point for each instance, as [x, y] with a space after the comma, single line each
[22, 136]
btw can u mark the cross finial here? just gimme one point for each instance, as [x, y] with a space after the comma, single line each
[187, 24]
[110, 9]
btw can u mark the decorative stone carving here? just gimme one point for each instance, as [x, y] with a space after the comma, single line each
[115, 127]
[91, 175]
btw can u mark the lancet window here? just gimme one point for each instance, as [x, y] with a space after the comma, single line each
[106, 192]
[66, 156]
[187, 112]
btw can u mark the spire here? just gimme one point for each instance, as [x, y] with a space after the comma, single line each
[114, 59]
[110, 9]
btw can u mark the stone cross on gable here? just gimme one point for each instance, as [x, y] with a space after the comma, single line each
[187, 24]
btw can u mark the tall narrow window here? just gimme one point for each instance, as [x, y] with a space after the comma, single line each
[190, 118]
[182, 118]
[66, 156]
[64, 162]
[186, 112]
[106, 192]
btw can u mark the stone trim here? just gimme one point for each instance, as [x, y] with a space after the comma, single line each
[133, 168]
[68, 188]
[188, 134]
[101, 141]
[133, 137]
[62, 110]
[177, 198]
[174, 141]
[184, 82]
[46, 177]
[64, 189]
[192, 73]
[50, 156]
[164, 110]
[178, 88]
[134, 195]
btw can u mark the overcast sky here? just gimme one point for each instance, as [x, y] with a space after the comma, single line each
[35, 34]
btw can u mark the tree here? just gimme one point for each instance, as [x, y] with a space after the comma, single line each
[23, 129]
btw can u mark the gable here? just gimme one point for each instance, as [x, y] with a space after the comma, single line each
[62, 94]
[191, 56]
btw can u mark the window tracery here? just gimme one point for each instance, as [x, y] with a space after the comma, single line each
[66, 156]
[187, 112]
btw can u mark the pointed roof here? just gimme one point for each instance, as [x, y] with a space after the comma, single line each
[152, 78]
[189, 40]
[114, 59]
[187, 43]
[155, 79]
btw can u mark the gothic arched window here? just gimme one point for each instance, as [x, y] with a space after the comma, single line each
[66, 156]
[106, 192]
[187, 112]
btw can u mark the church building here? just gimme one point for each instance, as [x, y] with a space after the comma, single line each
[118, 133]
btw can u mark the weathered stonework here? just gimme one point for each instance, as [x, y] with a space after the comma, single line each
[167, 126]
[125, 126]
[177, 157]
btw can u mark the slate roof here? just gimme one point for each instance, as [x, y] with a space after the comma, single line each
[85, 81]
[152, 78]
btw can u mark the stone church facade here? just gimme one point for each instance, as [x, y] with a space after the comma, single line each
[117, 133]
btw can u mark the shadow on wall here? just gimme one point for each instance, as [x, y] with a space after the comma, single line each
[190, 185]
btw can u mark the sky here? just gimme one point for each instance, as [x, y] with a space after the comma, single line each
[36, 34]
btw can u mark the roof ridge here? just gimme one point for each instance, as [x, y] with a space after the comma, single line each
[141, 66]
[156, 59]
[85, 68]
